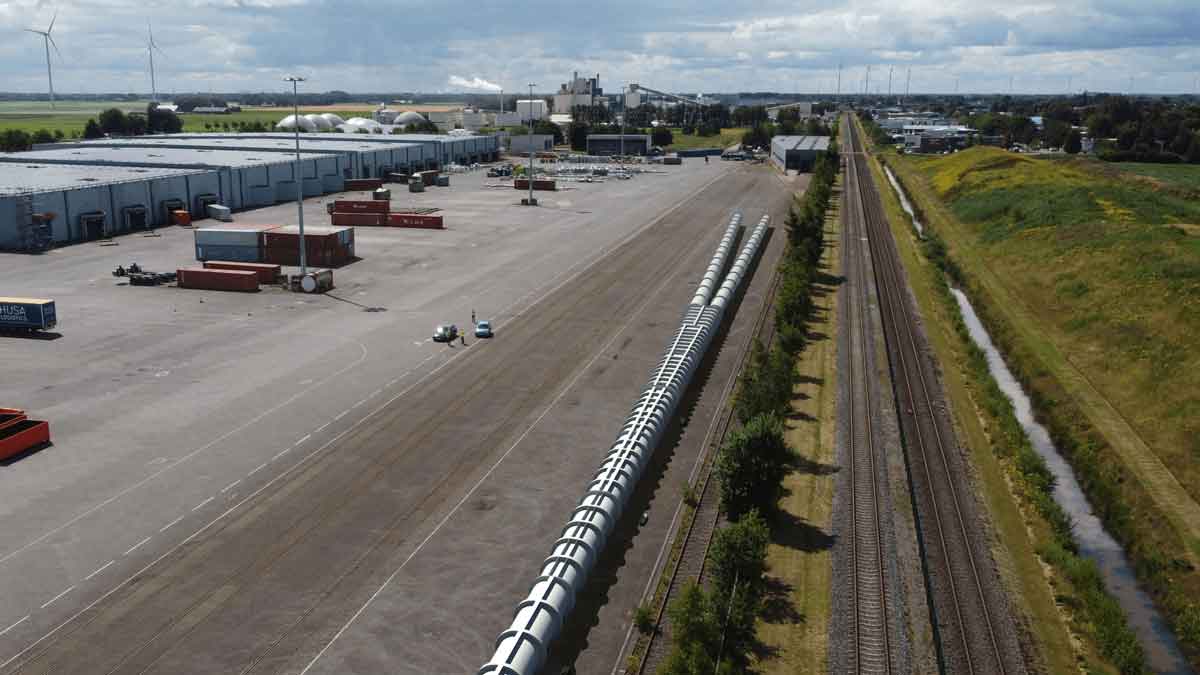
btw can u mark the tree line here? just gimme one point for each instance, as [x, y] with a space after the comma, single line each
[713, 630]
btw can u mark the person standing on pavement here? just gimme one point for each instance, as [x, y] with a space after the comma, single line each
[472, 318]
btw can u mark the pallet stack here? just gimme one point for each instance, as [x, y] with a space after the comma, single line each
[378, 213]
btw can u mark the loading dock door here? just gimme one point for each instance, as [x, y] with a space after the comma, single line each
[169, 205]
[135, 218]
[202, 202]
[92, 225]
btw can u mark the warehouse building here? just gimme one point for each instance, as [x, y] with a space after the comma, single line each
[43, 203]
[438, 149]
[363, 159]
[797, 153]
[248, 179]
[615, 144]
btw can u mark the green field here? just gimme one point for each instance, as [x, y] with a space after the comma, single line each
[726, 138]
[71, 116]
[1186, 176]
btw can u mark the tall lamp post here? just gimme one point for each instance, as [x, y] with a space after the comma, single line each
[299, 178]
[530, 177]
[624, 110]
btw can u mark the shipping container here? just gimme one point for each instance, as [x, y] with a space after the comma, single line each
[324, 246]
[415, 220]
[247, 254]
[363, 219]
[21, 436]
[429, 178]
[27, 314]
[267, 274]
[363, 184]
[228, 236]
[443, 181]
[382, 194]
[219, 212]
[360, 205]
[538, 184]
[217, 280]
[181, 217]
[416, 185]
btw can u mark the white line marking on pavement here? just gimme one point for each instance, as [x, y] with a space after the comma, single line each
[288, 401]
[51, 600]
[358, 404]
[164, 528]
[258, 468]
[281, 453]
[321, 428]
[375, 393]
[340, 415]
[306, 437]
[18, 623]
[437, 528]
[136, 546]
[202, 504]
[99, 570]
[229, 487]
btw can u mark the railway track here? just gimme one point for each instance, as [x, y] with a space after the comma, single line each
[971, 627]
[868, 582]
[694, 551]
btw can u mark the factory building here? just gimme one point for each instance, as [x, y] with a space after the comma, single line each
[248, 178]
[612, 144]
[528, 143]
[80, 203]
[363, 159]
[797, 153]
[583, 91]
[438, 150]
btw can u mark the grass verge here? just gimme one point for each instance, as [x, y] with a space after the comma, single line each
[794, 629]
[726, 138]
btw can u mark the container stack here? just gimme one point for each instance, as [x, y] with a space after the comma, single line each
[363, 184]
[538, 184]
[18, 433]
[267, 273]
[377, 213]
[331, 246]
[233, 243]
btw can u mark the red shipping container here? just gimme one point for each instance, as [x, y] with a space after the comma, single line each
[22, 436]
[267, 274]
[363, 219]
[415, 220]
[361, 205]
[10, 417]
[217, 280]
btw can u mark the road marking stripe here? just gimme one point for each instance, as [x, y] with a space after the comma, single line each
[18, 623]
[136, 546]
[357, 404]
[202, 504]
[51, 600]
[375, 393]
[258, 468]
[306, 437]
[99, 570]
[340, 415]
[281, 453]
[321, 428]
[164, 528]
[229, 487]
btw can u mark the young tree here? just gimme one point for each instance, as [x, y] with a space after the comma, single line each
[113, 121]
[738, 564]
[15, 140]
[1074, 142]
[662, 137]
[751, 466]
[43, 136]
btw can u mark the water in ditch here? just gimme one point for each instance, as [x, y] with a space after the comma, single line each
[1162, 652]
[904, 203]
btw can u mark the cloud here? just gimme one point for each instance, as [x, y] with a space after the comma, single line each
[734, 45]
[473, 83]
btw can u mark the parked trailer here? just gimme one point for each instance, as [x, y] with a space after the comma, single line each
[18, 433]
[27, 314]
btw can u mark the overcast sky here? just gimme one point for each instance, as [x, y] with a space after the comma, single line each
[693, 45]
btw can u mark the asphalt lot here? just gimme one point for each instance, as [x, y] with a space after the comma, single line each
[235, 476]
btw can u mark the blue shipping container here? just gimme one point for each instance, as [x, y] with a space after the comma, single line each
[27, 314]
[229, 253]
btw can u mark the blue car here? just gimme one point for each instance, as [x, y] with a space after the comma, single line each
[483, 329]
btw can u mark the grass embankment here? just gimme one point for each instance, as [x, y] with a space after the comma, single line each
[726, 138]
[1186, 176]
[1091, 294]
[795, 628]
[72, 120]
[986, 427]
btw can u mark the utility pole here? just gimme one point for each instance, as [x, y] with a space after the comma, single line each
[623, 109]
[299, 169]
[890, 69]
[907, 82]
[1068, 85]
[839, 83]
[531, 86]
[867, 82]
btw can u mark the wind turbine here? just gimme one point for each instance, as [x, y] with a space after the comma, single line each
[47, 41]
[151, 47]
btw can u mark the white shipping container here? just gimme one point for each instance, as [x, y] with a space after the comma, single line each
[212, 236]
[219, 212]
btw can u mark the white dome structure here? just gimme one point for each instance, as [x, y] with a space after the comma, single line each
[289, 123]
[333, 119]
[356, 124]
[408, 117]
[319, 123]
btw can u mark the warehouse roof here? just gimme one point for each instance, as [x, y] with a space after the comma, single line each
[339, 138]
[155, 156]
[16, 178]
[812, 143]
[243, 141]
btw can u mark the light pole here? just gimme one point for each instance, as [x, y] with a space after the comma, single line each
[624, 110]
[530, 177]
[299, 178]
